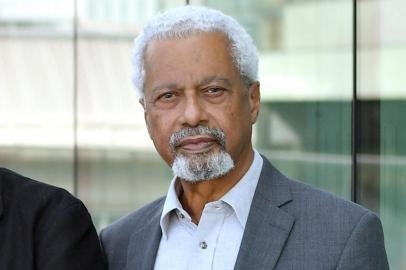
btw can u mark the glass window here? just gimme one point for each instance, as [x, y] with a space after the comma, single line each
[36, 80]
[381, 124]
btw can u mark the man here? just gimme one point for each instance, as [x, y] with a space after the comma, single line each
[44, 228]
[227, 207]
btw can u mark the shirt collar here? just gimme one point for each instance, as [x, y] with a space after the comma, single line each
[239, 197]
[171, 203]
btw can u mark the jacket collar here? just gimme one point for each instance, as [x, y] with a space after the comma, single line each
[268, 226]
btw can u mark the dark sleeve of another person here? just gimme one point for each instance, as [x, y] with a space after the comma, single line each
[67, 239]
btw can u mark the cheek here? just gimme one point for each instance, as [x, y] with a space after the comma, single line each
[236, 123]
[160, 129]
[157, 129]
[235, 114]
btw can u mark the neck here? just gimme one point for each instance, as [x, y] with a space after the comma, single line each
[194, 196]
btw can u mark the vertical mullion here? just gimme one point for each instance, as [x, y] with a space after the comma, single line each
[354, 113]
[75, 100]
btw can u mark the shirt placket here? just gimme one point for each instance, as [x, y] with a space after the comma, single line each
[206, 237]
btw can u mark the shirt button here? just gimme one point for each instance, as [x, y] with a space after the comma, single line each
[203, 245]
[182, 215]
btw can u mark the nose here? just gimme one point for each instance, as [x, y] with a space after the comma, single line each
[194, 112]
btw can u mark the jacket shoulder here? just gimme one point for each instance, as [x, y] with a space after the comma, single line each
[46, 225]
[303, 200]
[14, 186]
[308, 199]
[327, 230]
[335, 231]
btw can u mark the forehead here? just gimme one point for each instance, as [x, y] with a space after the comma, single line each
[194, 55]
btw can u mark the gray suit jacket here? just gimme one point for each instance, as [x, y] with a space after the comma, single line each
[290, 226]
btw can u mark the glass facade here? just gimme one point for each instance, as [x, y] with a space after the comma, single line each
[69, 116]
[36, 89]
[381, 97]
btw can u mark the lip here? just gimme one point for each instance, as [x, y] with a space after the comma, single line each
[197, 144]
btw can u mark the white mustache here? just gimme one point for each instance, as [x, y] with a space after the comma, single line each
[216, 133]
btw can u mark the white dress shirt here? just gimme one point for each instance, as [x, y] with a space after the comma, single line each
[213, 243]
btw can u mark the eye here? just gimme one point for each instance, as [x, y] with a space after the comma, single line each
[165, 97]
[215, 91]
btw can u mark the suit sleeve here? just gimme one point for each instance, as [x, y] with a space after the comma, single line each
[67, 240]
[365, 248]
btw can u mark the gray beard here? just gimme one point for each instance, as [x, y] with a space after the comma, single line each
[201, 167]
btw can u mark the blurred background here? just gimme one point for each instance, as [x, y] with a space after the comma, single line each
[69, 115]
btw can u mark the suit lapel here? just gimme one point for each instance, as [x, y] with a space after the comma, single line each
[268, 226]
[144, 244]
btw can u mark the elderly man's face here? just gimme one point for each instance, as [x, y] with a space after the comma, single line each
[190, 83]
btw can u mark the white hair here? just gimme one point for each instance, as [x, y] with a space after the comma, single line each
[187, 20]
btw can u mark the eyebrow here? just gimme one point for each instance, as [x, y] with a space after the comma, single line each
[165, 86]
[215, 78]
[202, 82]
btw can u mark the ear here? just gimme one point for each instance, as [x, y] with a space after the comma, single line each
[144, 105]
[254, 100]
